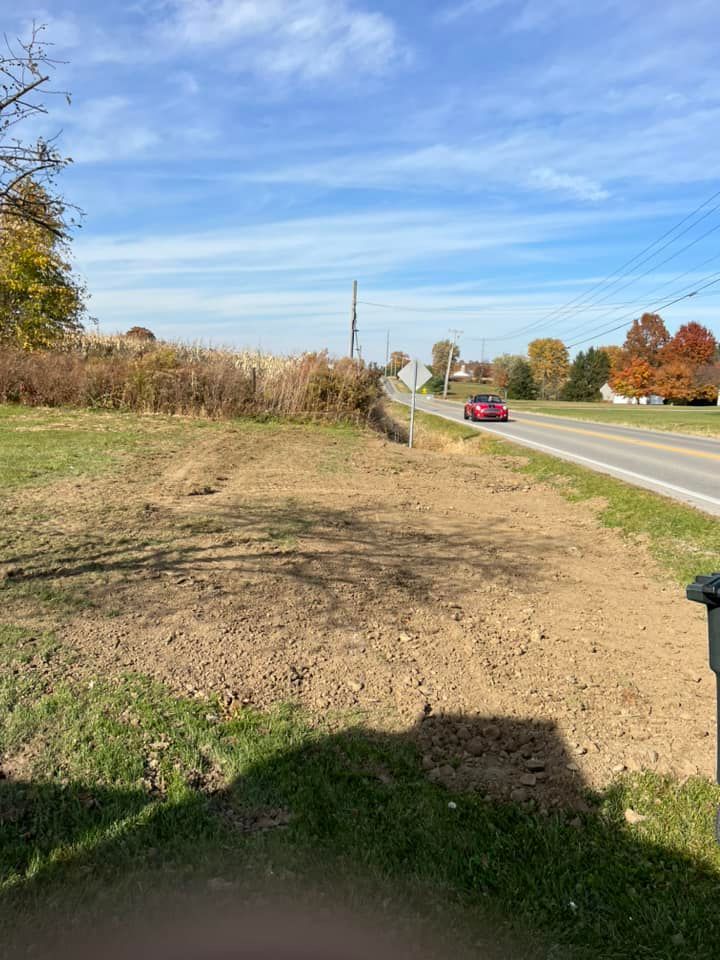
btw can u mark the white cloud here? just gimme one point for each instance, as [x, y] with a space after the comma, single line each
[287, 282]
[308, 39]
[468, 8]
[581, 187]
[106, 128]
[376, 242]
[467, 168]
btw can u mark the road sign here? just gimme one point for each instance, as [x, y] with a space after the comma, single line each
[414, 375]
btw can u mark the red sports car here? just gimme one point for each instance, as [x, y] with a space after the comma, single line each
[486, 406]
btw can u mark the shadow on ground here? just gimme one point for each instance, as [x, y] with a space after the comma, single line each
[354, 815]
[295, 545]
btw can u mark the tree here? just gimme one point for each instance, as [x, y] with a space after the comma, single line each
[588, 373]
[521, 384]
[398, 360]
[141, 333]
[646, 339]
[616, 356]
[692, 343]
[24, 72]
[40, 299]
[687, 372]
[502, 368]
[635, 380]
[549, 363]
[440, 353]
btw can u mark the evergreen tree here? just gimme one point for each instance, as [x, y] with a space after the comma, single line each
[521, 384]
[589, 371]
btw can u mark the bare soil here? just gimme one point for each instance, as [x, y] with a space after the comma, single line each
[427, 591]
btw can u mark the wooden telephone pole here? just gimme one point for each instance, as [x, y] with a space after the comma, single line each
[456, 336]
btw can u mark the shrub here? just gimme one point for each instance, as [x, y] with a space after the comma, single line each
[132, 374]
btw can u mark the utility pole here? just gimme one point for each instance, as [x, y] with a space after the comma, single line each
[387, 355]
[456, 335]
[353, 320]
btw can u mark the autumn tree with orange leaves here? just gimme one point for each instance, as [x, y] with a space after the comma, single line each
[687, 370]
[646, 339]
[635, 380]
[682, 369]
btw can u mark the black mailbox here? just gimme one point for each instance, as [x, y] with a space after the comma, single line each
[707, 590]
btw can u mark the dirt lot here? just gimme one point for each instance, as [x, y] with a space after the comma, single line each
[347, 573]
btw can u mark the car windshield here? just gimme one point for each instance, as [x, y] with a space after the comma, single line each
[488, 398]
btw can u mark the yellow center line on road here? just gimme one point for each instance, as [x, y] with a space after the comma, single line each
[684, 451]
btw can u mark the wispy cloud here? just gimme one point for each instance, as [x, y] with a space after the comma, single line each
[581, 187]
[458, 11]
[307, 39]
[243, 160]
[107, 128]
[450, 167]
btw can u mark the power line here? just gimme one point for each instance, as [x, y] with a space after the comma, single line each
[584, 299]
[390, 306]
[621, 271]
[448, 309]
[664, 306]
[608, 313]
[663, 262]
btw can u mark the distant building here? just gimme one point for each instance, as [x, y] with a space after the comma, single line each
[609, 395]
[461, 374]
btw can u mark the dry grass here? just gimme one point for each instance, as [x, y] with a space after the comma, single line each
[118, 373]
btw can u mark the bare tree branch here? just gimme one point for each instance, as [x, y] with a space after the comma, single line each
[19, 94]
[25, 69]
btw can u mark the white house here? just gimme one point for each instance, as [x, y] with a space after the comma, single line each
[461, 374]
[609, 395]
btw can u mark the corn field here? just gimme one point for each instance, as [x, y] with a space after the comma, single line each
[121, 373]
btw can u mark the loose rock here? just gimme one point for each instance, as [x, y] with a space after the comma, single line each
[476, 747]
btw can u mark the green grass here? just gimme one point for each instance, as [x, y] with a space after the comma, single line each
[117, 788]
[461, 391]
[128, 788]
[41, 445]
[456, 391]
[703, 421]
[38, 445]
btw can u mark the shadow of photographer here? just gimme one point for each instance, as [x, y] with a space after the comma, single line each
[512, 833]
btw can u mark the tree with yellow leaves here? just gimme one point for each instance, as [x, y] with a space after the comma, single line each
[550, 366]
[40, 299]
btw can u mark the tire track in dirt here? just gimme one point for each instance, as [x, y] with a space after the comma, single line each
[402, 586]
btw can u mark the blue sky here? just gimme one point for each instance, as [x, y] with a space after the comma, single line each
[484, 162]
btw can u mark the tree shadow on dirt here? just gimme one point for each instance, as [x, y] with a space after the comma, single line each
[352, 812]
[331, 551]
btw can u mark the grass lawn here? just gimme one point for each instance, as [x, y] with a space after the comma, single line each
[118, 788]
[703, 421]
[465, 389]
[39, 445]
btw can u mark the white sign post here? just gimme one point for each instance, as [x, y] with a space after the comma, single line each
[414, 375]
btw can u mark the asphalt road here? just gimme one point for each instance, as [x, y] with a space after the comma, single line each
[678, 466]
